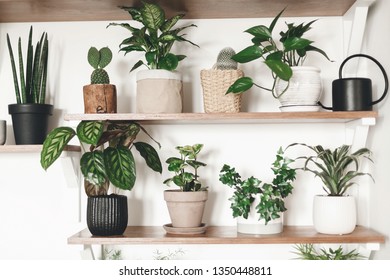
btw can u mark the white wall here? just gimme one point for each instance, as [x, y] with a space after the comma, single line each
[248, 147]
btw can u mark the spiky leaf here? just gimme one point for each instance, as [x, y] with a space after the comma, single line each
[150, 155]
[90, 131]
[54, 144]
[92, 167]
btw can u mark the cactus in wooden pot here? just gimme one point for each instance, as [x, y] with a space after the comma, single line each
[99, 59]
[225, 61]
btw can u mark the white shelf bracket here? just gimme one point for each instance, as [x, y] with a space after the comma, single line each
[70, 162]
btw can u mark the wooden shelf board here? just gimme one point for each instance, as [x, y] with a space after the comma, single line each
[97, 10]
[244, 117]
[32, 148]
[225, 235]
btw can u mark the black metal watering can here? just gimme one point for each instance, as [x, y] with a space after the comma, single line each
[354, 94]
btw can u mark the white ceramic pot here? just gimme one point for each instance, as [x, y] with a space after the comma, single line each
[253, 225]
[304, 90]
[3, 132]
[334, 214]
[159, 91]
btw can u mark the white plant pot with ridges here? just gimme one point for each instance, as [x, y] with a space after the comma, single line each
[334, 214]
[252, 225]
[159, 91]
[305, 89]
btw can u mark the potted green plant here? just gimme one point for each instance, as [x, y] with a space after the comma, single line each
[30, 114]
[335, 212]
[108, 160]
[99, 95]
[293, 83]
[257, 205]
[186, 204]
[310, 252]
[159, 89]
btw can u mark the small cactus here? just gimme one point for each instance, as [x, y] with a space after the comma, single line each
[99, 59]
[224, 61]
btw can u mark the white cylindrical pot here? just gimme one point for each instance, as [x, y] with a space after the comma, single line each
[253, 225]
[334, 214]
[159, 91]
[304, 90]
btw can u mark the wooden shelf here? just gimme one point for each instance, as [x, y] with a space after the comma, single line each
[32, 148]
[226, 235]
[97, 10]
[256, 117]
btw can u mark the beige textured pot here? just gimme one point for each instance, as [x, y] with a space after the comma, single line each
[185, 208]
[159, 91]
[100, 98]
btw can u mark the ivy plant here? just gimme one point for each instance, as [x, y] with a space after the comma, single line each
[272, 195]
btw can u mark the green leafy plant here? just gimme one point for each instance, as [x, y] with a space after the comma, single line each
[272, 195]
[155, 38]
[32, 72]
[293, 51]
[99, 59]
[309, 252]
[103, 164]
[187, 181]
[336, 168]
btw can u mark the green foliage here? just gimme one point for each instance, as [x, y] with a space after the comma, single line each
[309, 252]
[336, 168]
[114, 163]
[279, 60]
[99, 59]
[32, 72]
[155, 38]
[183, 178]
[271, 195]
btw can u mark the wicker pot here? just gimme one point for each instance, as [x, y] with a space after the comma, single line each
[100, 98]
[215, 83]
[107, 215]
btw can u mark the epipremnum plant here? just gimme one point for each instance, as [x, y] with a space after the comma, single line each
[185, 168]
[32, 72]
[271, 195]
[100, 165]
[155, 38]
[99, 59]
[336, 168]
[293, 51]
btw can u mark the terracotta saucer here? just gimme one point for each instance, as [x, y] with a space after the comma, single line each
[189, 231]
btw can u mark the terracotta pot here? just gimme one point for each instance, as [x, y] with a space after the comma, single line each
[185, 208]
[100, 98]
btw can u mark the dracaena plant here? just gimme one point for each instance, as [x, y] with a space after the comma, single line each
[185, 168]
[336, 168]
[155, 38]
[109, 158]
[272, 195]
[292, 52]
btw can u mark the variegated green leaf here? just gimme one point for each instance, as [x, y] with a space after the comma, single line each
[92, 167]
[90, 131]
[150, 155]
[54, 144]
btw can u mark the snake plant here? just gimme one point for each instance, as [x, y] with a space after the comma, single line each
[30, 84]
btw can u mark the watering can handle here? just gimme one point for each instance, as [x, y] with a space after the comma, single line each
[380, 67]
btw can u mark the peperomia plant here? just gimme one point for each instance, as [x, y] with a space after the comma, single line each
[271, 202]
[155, 38]
[187, 181]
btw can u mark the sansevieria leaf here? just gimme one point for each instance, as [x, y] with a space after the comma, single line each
[120, 167]
[150, 155]
[92, 167]
[54, 144]
[90, 131]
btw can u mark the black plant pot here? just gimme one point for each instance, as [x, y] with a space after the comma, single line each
[30, 122]
[107, 214]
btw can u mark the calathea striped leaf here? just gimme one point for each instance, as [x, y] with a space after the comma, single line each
[150, 155]
[92, 167]
[120, 167]
[54, 144]
[90, 131]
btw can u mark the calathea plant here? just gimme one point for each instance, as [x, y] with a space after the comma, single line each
[155, 38]
[293, 51]
[99, 59]
[271, 195]
[185, 168]
[109, 158]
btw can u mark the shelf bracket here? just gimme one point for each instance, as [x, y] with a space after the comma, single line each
[70, 162]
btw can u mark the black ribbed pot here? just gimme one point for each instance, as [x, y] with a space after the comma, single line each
[30, 122]
[107, 214]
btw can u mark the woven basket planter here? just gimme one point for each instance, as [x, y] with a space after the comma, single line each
[215, 83]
